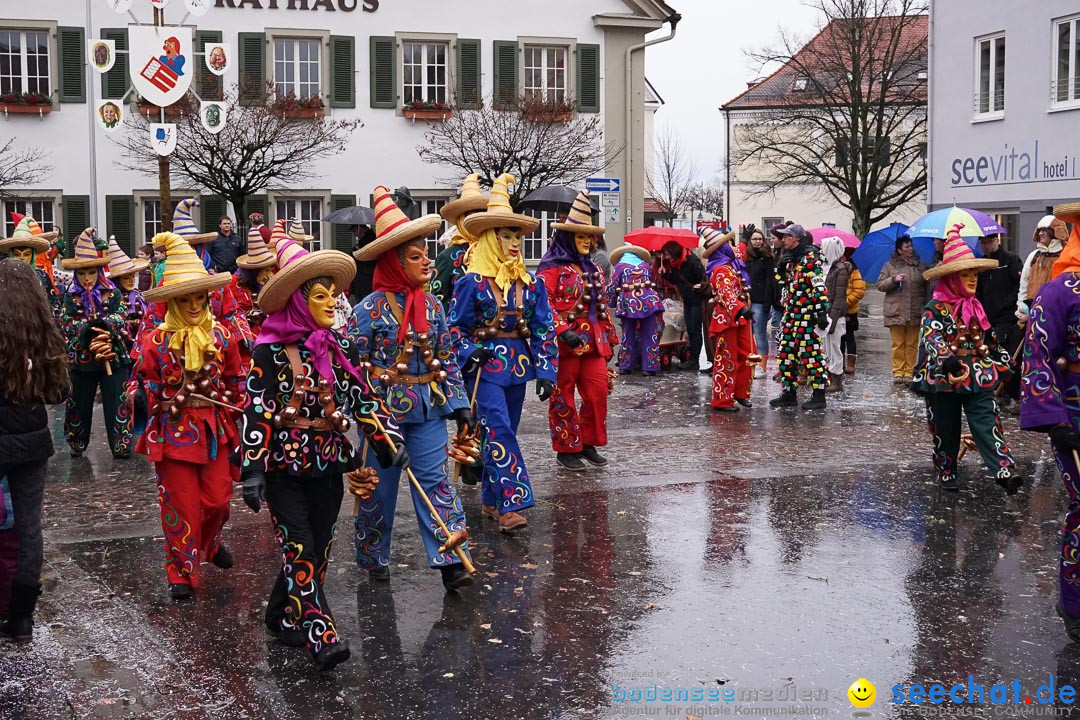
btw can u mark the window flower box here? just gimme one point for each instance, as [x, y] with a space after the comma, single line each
[432, 111]
[544, 111]
[25, 104]
[292, 107]
[299, 113]
[153, 112]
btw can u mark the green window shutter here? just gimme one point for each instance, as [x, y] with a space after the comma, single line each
[75, 211]
[213, 207]
[342, 234]
[71, 47]
[207, 85]
[115, 83]
[588, 78]
[259, 204]
[252, 54]
[120, 221]
[468, 73]
[383, 72]
[505, 93]
[342, 71]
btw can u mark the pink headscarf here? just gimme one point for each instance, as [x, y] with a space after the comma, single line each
[951, 289]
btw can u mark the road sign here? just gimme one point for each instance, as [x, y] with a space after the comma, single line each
[611, 215]
[603, 185]
[609, 200]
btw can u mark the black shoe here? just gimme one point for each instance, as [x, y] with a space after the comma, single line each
[589, 453]
[181, 591]
[380, 574]
[331, 655]
[472, 474]
[949, 482]
[786, 399]
[290, 637]
[20, 623]
[76, 453]
[707, 370]
[727, 409]
[570, 461]
[1011, 483]
[125, 455]
[454, 577]
[691, 367]
[222, 558]
[816, 401]
[745, 402]
[1072, 624]
[650, 373]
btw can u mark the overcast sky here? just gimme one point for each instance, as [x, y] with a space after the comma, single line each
[706, 65]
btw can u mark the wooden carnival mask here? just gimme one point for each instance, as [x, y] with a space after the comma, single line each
[192, 307]
[26, 254]
[510, 242]
[320, 302]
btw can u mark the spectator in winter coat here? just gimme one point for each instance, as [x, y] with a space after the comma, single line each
[856, 290]
[999, 289]
[684, 270]
[837, 274]
[226, 247]
[1049, 239]
[906, 293]
[763, 295]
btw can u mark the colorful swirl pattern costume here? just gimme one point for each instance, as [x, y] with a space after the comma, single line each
[632, 295]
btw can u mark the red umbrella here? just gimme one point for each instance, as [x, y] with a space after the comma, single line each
[654, 238]
[819, 234]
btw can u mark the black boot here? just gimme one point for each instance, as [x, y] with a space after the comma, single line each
[454, 577]
[331, 655]
[181, 591]
[816, 401]
[20, 623]
[380, 574]
[222, 558]
[472, 474]
[570, 461]
[1010, 481]
[745, 402]
[1072, 624]
[589, 453]
[786, 399]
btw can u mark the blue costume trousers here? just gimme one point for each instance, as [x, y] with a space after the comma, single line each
[506, 481]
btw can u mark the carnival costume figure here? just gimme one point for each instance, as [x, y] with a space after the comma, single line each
[97, 336]
[729, 323]
[959, 366]
[186, 389]
[500, 322]
[575, 287]
[451, 262]
[632, 294]
[254, 270]
[123, 272]
[305, 382]
[26, 244]
[403, 340]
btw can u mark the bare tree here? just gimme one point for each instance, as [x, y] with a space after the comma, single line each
[854, 125]
[538, 143]
[264, 146]
[671, 182]
[20, 167]
[708, 197]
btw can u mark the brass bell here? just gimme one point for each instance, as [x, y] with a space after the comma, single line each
[204, 385]
[440, 376]
[426, 354]
[423, 337]
[954, 348]
[326, 399]
[209, 355]
[214, 395]
[526, 332]
[174, 412]
[601, 306]
[401, 368]
[278, 422]
[290, 413]
[189, 387]
[435, 364]
[300, 379]
[345, 425]
[409, 350]
[227, 395]
[324, 385]
[180, 398]
[384, 379]
[571, 317]
[410, 335]
[580, 307]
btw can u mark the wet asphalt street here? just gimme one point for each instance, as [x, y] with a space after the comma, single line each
[766, 551]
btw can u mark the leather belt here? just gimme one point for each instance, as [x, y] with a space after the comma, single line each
[306, 424]
[1073, 367]
[167, 405]
[497, 334]
[397, 379]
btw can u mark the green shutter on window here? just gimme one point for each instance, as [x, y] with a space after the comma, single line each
[342, 71]
[75, 211]
[252, 54]
[505, 91]
[468, 73]
[383, 72]
[208, 85]
[71, 47]
[588, 78]
[212, 207]
[342, 234]
[115, 83]
[259, 204]
[120, 221]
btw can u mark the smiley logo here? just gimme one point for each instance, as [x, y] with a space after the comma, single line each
[862, 693]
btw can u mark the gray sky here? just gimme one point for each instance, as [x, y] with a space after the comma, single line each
[706, 65]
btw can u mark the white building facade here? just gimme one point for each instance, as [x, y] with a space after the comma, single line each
[366, 59]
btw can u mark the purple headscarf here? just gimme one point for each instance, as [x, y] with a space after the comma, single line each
[135, 302]
[91, 299]
[294, 324]
[725, 255]
[562, 250]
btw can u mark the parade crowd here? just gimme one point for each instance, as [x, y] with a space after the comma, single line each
[250, 363]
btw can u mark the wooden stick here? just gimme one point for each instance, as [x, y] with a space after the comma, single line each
[226, 406]
[472, 406]
[363, 456]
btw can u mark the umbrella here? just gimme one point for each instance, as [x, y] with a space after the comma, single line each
[555, 199]
[924, 247]
[875, 249]
[654, 238]
[820, 233]
[938, 223]
[357, 215]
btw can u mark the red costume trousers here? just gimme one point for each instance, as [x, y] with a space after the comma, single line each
[731, 377]
[570, 430]
[194, 500]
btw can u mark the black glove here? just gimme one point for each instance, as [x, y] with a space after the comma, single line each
[571, 338]
[478, 359]
[953, 365]
[472, 474]
[544, 388]
[745, 313]
[748, 231]
[254, 488]
[1064, 438]
[465, 419]
[398, 458]
[822, 321]
[140, 408]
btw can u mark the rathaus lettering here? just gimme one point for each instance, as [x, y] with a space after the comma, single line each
[343, 5]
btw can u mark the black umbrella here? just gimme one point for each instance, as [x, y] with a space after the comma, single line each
[554, 198]
[404, 200]
[358, 215]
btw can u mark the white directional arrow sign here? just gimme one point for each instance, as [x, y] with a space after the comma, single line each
[612, 185]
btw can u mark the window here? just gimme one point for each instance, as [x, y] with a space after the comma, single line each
[800, 83]
[151, 218]
[41, 209]
[24, 61]
[424, 72]
[990, 82]
[545, 73]
[1066, 83]
[768, 222]
[1011, 222]
[432, 206]
[308, 211]
[297, 68]
[535, 245]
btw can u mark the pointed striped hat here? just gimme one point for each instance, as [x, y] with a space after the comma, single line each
[296, 232]
[470, 199]
[958, 256]
[499, 213]
[184, 271]
[579, 219]
[120, 265]
[28, 234]
[258, 253]
[393, 227]
[184, 226]
[712, 240]
[297, 265]
[87, 252]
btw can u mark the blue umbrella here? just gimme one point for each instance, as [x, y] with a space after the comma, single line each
[876, 249]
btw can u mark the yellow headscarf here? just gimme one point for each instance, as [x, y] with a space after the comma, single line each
[190, 341]
[489, 260]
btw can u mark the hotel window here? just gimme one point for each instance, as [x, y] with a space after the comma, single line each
[151, 216]
[424, 71]
[545, 73]
[297, 67]
[1066, 82]
[990, 81]
[41, 209]
[24, 61]
[308, 211]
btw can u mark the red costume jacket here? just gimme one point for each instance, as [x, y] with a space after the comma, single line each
[570, 290]
[730, 297]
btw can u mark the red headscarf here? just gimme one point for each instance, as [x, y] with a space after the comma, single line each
[390, 277]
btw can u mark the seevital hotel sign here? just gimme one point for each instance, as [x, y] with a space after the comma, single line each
[328, 5]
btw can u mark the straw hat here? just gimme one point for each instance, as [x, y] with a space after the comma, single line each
[87, 254]
[393, 227]
[618, 252]
[296, 232]
[184, 226]
[712, 240]
[258, 254]
[579, 219]
[297, 266]
[499, 213]
[470, 199]
[184, 271]
[1067, 211]
[957, 257]
[120, 265]
[24, 236]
